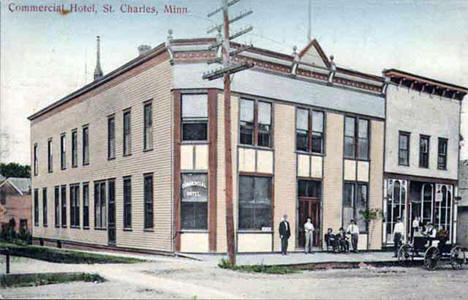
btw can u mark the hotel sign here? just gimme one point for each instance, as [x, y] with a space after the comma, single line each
[194, 188]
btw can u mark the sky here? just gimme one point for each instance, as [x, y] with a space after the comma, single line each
[46, 55]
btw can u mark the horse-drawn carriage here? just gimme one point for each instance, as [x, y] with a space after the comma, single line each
[434, 251]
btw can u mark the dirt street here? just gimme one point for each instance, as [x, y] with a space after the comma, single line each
[183, 278]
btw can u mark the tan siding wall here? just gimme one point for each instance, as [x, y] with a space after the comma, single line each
[154, 83]
[285, 171]
[333, 173]
[376, 181]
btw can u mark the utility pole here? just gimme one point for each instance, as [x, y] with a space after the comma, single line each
[224, 56]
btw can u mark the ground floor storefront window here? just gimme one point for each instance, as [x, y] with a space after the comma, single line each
[194, 208]
[354, 202]
[255, 195]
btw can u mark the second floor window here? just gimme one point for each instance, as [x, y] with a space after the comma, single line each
[35, 163]
[127, 137]
[403, 148]
[424, 151]
[111, 137]
[356, 138]
[442, 154]
[148, 127]
[74, 148]
[309, 130]
[255, 123]
[85, 145]
[194, 117]
[50, 159]
[63, 152]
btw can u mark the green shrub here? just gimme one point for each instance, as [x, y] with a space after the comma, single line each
[21, 280]
[226, 264]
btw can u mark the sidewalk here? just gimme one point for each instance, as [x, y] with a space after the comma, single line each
[302, 258]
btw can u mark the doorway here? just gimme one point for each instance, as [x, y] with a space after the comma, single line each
[309, 192]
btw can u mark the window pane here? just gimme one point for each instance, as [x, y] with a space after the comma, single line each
[363, 128]
[302, 119]
[317, 142]
[264, 113]
[302, 141]
[349, 126]
[110, 138]
[349, 147]
[309, 188]
[194, 106]
[317, 121]
[127, 141]
[264, 136]
[246, 202]
[194, 188]
[247, 110]
[246, 134]
[148, 189]
[361, 205]
[403, 142]
[194, 215]
[254, 202]
[348, 203]
[148, 134]
[195, 131]
[363, 148]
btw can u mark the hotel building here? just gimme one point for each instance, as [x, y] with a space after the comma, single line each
[135, 159]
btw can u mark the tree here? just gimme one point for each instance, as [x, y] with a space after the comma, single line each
[15, 170]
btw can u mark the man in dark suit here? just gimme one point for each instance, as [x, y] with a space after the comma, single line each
[285, 233]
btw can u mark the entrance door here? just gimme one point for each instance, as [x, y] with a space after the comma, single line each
[309, 208]
[111, 214]
[309, 192]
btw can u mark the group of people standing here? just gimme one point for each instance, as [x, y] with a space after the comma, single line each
[336, 241]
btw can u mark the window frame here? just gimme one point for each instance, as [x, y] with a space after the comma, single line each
[111, 137]
[355, 185]
[442, 155]
[194, 120]
[50, 158]
[148, 126]
[100, 201]
[85, 195]
[256, 176]
[74, 190]
[127, 132]
[408, 151]
[148, 224]
[63, 151]
[182, 200]
[256, 124]
[356, 138]
[422, 163]
[74, 146]
[44, 207]
[127, 203]
[310, 132]
[35, 160]
[63, 206]
[36, 207]
[85, 144]
[57, 206]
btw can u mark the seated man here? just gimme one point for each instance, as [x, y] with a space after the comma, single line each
[443, 236]
[343, 242]
[331, 240]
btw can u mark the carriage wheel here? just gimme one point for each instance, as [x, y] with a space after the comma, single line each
[404, 255]
[431, 258]
[457, 258]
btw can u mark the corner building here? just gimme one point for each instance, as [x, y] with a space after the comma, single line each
[135, 160]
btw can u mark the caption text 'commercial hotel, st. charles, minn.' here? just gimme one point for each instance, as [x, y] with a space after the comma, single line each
[135, 159]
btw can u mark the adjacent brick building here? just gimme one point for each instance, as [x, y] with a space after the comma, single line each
[15, 202]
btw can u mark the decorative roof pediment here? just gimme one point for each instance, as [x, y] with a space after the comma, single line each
[314, 54]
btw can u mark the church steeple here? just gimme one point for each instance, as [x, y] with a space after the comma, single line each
[98, 70]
